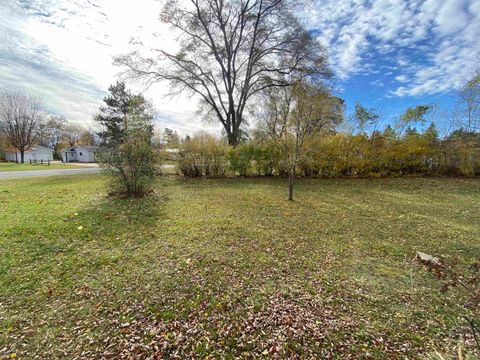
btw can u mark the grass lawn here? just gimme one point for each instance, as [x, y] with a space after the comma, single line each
[228, 268]
[11, 166]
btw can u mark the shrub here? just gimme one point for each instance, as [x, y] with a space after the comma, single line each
[203, 155]
[241, 158]
[127, 154]
[266, 157]
[132, 164]
[341, 154]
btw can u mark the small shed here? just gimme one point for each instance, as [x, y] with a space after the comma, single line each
[80, 153]
[35, 153]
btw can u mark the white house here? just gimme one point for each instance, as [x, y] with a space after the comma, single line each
[80, 153]
[34, 153]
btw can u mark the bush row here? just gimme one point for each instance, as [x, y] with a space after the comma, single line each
[335, 155]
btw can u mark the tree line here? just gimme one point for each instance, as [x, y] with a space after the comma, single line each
[24, 122]
[338, 154]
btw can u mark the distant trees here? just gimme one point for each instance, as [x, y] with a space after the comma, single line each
[72, 134]
[20, 117]
[88, 137]
[328, 152]
[53, 134]
[231, 51]
[412, 116]
[57, 134]
[126, 139]
[24, 122]
[364, 117]
[470, 101]
[171, 138]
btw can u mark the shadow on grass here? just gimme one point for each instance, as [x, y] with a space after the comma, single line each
[77, 245]
[114, 228]
[63, 269]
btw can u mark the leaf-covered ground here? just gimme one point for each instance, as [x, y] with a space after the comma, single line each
[228, 268]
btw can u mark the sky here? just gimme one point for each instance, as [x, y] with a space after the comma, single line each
[386, 54]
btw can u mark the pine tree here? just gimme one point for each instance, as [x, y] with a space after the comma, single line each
[431, 134]
[113, 117]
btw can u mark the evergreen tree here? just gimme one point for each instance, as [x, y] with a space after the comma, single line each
[410, 132]
[171, 138]
[113, 117]
[431, 134]
[364, 116]
[390, 133]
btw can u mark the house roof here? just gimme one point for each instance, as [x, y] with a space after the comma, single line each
[39, 147]
[31, 149]
[89, 147]
[85, 147]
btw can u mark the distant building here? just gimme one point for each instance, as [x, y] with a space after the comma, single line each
[80, 153]
[35, 153]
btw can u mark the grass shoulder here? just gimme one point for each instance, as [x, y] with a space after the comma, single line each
[11, 166]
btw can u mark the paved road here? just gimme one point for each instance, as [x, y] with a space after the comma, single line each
[34, 173]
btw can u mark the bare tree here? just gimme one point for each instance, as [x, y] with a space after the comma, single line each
[20, 117]
[54, 133]
[447, 119]
[88, 137]
[73, 134]
[297, 114]
[470, 98]
[230, 51]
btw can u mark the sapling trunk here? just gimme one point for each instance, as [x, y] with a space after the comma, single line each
[291, 178]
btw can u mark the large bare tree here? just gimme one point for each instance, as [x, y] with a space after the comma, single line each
[20, 117]
[230, 51]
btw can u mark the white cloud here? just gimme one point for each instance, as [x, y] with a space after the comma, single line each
[63, 52]
[378, 83]
[435, 40]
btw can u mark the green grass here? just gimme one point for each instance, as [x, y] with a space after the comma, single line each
[227, 268]
[11, 166]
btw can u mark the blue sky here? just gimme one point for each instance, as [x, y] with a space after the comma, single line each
[387, 54]
[395, 54]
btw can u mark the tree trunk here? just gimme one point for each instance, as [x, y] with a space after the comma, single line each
[22, 156]
[291, 178]
[232, 139]
[233, 134]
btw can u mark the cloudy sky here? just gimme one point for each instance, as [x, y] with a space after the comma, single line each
[387, 54]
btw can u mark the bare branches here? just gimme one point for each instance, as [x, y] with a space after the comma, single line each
[20, 116]
[229, 52]
[295, 114]
[470, 100]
